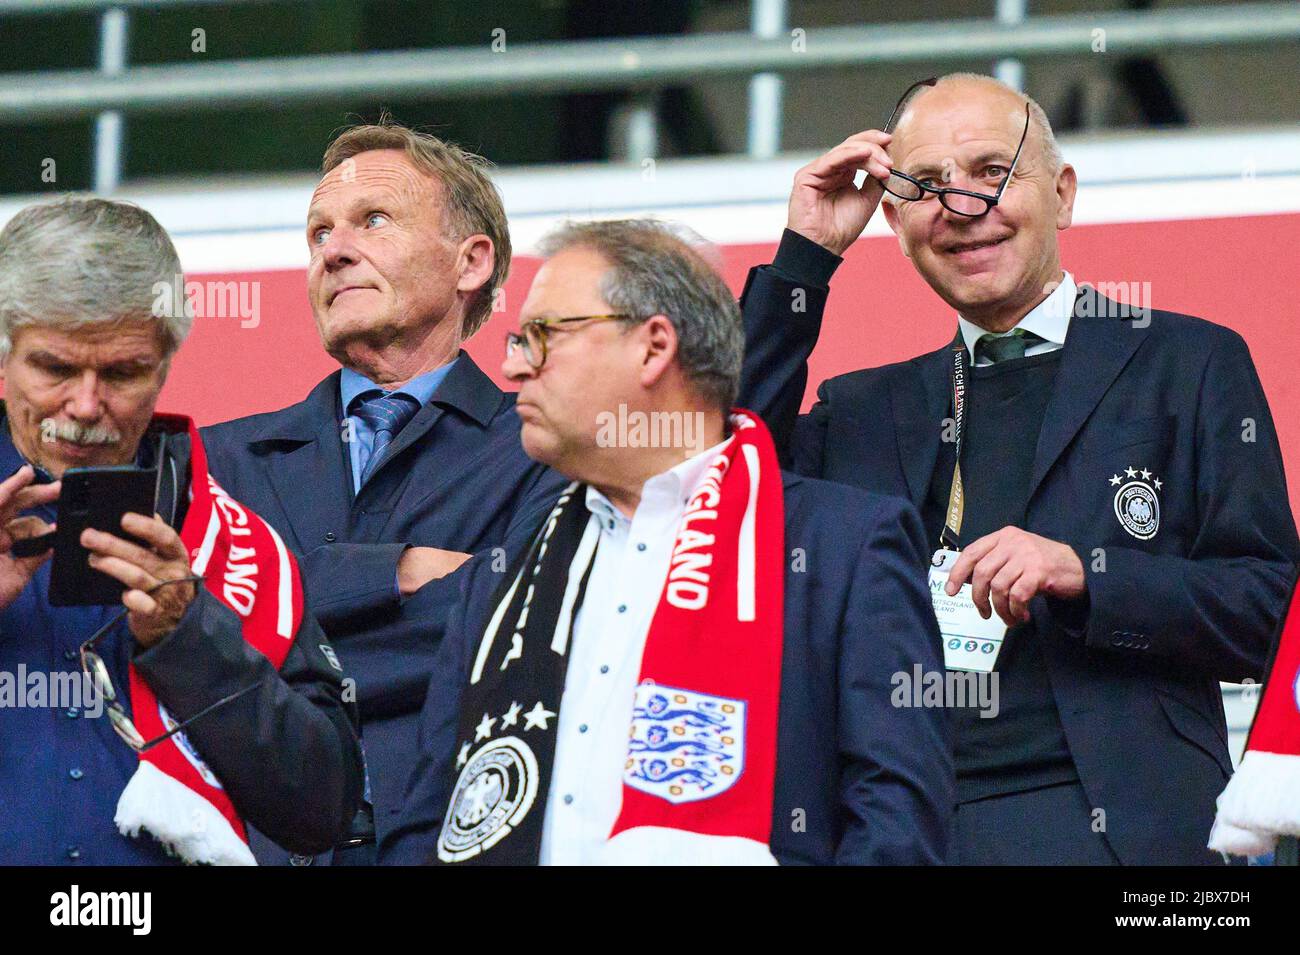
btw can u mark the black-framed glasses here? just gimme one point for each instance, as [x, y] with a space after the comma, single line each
[532, 335]
[902, 100]
[94, 668]
[961, 201]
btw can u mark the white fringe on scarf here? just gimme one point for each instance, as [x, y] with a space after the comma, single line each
[183, 821]
[1261, 802]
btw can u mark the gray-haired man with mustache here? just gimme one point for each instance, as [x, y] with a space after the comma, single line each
[83, 357]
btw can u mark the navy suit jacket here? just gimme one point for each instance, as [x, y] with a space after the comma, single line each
[456, 477]
[858, 780]
[1135, 670]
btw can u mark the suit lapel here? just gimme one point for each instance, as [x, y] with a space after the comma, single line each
[1095, 352]
[466, 389]
[310, 473]
[919, 396]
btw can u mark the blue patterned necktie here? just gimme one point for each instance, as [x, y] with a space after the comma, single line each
[386, 415]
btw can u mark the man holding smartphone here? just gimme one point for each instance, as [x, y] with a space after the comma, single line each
[209, 701]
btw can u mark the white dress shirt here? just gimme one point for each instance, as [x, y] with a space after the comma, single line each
[609, 634]
[1049, 319]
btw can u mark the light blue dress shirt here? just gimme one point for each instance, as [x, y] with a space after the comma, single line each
[421, 388]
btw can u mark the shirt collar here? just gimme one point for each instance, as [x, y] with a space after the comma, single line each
[420, 388]
[1049, 319]
[675, 484]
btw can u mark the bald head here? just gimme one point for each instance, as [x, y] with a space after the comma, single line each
[963, 134]
[956, 94]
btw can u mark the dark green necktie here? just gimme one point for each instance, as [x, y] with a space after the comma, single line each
[999, 348]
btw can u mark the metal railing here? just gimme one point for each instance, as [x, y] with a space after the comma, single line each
[763, 54]
[40, 7]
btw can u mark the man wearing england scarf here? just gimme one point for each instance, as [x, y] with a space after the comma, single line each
[208, 700]
[693, 661]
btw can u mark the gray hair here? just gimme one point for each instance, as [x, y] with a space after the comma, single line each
[82, 261]
[1037, 118]
[657, 269]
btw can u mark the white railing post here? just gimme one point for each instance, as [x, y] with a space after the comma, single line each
[1011, 71]
[767, 21]
[108, 125]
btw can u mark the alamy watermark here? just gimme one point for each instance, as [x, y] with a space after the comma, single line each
[651, 429]
[945, 688]
[209, 299]
[132, 910]
[1129, 300]
[37, 689]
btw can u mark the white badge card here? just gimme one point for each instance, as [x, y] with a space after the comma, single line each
[969, 641]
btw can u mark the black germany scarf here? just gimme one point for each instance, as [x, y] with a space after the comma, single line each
[513, 698]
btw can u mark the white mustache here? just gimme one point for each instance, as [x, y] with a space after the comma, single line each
[79, 433]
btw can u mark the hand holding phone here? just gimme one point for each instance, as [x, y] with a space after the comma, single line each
[160, 583]
[18, 493]
[95, 498]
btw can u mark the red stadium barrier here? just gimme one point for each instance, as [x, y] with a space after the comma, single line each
[1223, 269]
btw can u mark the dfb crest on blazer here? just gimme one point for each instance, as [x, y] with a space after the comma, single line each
[1137, 502]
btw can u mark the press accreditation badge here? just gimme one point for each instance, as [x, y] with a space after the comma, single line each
[970, 642]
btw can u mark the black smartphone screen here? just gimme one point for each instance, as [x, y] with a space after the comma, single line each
[98, 498]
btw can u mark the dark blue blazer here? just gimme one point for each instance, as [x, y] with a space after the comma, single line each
[858, 780]
[456, 478]
[1136, 670]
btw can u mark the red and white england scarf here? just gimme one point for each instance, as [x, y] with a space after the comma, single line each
[173, 795]
[699, 779]
[700, 768]
[1262, 800]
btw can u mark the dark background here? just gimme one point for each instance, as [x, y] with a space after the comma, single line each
[1236, 86]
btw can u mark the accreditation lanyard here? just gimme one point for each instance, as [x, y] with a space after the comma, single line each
[950, 537]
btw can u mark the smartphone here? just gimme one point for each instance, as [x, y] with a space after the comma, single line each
[95, 497]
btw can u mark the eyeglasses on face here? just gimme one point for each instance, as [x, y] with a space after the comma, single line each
[532, 335]
[963, 202]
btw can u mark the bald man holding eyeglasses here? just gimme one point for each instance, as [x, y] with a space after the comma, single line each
[1102, 484]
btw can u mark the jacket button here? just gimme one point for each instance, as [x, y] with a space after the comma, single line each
[69, 655]
[330, 538]
[75, 774]
[301, 860]
[72, 712]
[74, 853]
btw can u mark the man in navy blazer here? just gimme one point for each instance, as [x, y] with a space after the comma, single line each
[1125, 503]
[625, 315]
[396, 468]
